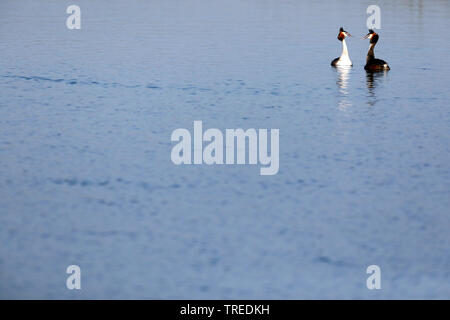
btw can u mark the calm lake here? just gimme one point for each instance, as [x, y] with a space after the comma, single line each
[86, 176]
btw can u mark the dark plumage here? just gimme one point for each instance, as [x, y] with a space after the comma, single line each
[333, 63]
[372, 64]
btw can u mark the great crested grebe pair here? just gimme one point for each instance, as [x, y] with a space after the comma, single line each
[372, 64]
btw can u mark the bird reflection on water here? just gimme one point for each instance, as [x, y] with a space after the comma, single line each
[343, 74]
[372, 81]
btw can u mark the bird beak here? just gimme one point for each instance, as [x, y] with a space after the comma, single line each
[366, 36]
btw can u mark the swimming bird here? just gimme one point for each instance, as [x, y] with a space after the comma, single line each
[344, 59]
[373, 64]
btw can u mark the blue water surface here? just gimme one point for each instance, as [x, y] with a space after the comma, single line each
[86, 176]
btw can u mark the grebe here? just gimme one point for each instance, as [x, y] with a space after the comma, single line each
[344, 59]
[373, 64]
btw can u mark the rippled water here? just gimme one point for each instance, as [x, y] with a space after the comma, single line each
[85, 172]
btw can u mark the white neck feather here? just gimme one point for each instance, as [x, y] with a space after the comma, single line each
[344, 49]
[344, 59]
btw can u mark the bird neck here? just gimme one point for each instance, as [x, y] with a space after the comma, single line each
[344, 49]
[370, 53]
